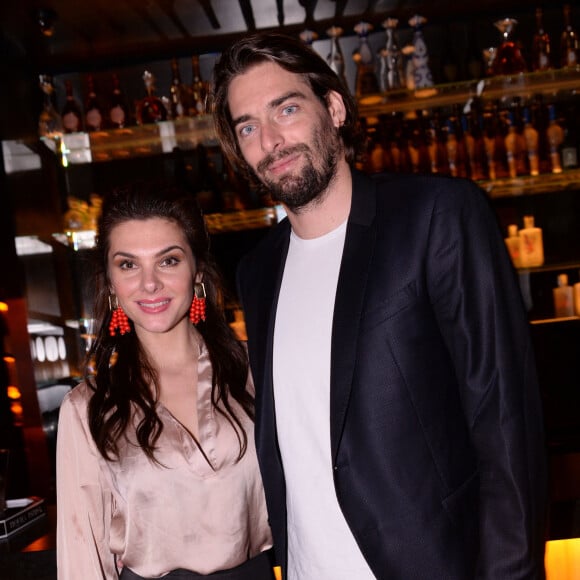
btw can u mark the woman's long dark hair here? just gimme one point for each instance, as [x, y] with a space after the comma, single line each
[294, 56]
[119, 371]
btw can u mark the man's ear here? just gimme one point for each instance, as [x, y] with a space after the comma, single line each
[336, 108]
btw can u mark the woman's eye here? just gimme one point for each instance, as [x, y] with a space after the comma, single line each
[126, 265]
[170, 261]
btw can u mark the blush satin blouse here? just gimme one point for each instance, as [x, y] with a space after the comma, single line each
[202, 510]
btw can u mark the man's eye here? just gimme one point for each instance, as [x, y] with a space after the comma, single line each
[246, 131]
[289, 110]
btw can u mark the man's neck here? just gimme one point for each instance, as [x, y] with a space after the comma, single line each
[324, 216]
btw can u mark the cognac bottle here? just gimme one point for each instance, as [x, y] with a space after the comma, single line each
[72, 116]
[568, 41]
[49, 121]
[118, 111]
[150, 109]
[93, 110]
[199, 90]
[541, 59]
[177, 92]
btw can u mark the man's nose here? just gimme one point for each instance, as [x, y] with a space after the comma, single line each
[271, 137]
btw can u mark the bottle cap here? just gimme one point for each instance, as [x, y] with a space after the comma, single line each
[528, 221]
[512, 230]
[562, 279]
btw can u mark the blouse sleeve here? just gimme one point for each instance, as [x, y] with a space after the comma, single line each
[83, 498]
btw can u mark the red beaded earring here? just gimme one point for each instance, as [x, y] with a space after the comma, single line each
[197, 309]
[119, 321]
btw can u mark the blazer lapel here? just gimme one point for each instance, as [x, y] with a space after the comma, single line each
[357, 255]
[265, 302]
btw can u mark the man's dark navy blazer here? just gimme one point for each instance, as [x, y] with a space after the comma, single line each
[435, 417]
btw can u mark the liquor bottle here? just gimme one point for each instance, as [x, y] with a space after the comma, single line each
[93, 109]
[49, 121]
[423, 77]
[118, 110]
[539, 115]
[366, 81]
[501, 130]
[568, 41]
[377, 155]
[452, 149]
[199, 90]
[511, 146]
[417, 145]
[531, 137]
[473, 136]
[335, 58]
[570, 143]
[150, 109]
[431, 138]
[576, 292]
[541, 58]
[177, 92]
[72, 116]
[391, 59]
[555, 135]
[532, 244]
[513, 245]
[508, 59]
[456, 144]
[563, 298]
[489, 142]
[522, 166]
[440, 131]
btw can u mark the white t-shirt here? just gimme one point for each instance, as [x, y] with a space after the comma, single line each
[320, 543]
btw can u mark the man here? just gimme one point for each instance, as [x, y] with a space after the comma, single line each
[399, 427]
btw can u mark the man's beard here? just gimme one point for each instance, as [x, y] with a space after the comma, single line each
[296, 191]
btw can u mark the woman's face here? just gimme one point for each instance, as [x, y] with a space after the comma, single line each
[152, 270]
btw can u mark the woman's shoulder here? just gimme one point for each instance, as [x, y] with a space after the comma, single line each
[78, 396]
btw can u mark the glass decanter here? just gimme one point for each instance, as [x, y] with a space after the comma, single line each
[151, 108]
[366, 82]
[508, 59]
[422, 72]
[391, 60]
[335, 58]
[49, 121]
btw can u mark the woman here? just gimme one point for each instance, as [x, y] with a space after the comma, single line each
[156, 465]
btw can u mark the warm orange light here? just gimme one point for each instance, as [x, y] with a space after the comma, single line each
[562, 559]
[3, 307]
[9, 359]
[13, 392]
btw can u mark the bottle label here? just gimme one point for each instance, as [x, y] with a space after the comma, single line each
[117, 115]
[94, 119]
[71, 122]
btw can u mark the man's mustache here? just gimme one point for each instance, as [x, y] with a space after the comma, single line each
[274, 157]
